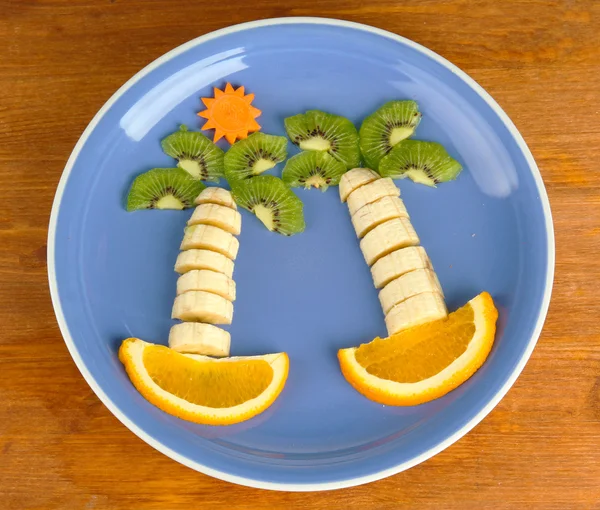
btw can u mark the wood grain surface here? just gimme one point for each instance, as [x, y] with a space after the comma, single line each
[60, 448]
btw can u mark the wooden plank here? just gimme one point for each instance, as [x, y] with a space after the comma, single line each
[61, 448]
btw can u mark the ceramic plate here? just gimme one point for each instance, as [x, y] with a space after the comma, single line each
[111, 272]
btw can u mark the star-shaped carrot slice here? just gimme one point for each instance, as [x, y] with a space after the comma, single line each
[230, 113]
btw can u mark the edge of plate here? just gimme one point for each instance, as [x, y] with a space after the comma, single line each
[328, 485]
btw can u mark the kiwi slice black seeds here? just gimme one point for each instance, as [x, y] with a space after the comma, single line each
[320, 131]
[272, 201]
[387, 126]
[163, 188]
[254, 155]
[313, 169]
[195, 153]
[424, 162]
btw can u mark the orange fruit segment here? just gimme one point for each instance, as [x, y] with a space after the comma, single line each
[425, 362]
[230, 113]
[202, 389]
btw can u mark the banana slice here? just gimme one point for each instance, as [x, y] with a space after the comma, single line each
[199, 338]
[388, 237]
[208, 281]
[217, 196]
[397, 263]
[376, 213]
[408, 285]
[203, 259]
[201, 306]
[207, 237]
[218, 216]
[370, 193]
[354, 179]
[415, 311]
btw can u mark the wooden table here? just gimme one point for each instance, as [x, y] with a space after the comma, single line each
[59, 446]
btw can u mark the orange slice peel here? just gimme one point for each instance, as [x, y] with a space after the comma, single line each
[230, 113]
[201, 389]
[425, 362]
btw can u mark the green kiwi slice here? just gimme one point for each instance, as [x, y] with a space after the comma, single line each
[273, 203]
[195, 153]
[320, 131]
[424, 162]
[254, 155]
[313, 169]
[384, 128]
[163, 188]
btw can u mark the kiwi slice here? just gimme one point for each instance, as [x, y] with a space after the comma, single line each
[254, 155]
[313, 168]
[163, 188]
[195, 153]
[273, 203]
[384, 128]
[320, 131]
[424, 162]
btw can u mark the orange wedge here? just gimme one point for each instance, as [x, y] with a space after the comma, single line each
[202, 389]
[425, 362]
[230, 113]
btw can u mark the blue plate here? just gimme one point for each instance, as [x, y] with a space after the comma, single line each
[111, 272]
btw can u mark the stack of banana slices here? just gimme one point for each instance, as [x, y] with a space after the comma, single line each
[205, 289]
[410, 292]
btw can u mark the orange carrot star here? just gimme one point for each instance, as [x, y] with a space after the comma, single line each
[230, 113]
